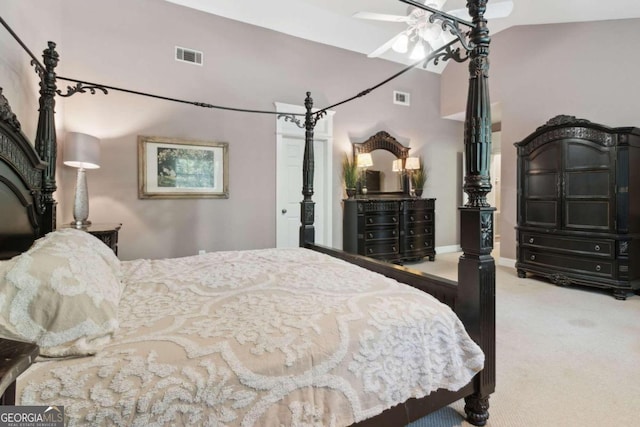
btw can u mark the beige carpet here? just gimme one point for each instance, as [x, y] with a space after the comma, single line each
[565, 356]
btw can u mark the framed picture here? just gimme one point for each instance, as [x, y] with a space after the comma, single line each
[171, 168]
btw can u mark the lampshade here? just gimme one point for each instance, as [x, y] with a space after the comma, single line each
[81, 151]
[401, 45]
[364, 160]
[396, 166]
[412, 163]
[418, 51]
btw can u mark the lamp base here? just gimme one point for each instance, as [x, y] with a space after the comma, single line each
[80, 224]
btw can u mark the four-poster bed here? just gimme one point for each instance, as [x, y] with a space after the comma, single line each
[27, 184]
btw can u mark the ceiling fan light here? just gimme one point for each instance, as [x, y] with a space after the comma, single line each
[418, 52]
[401, 45]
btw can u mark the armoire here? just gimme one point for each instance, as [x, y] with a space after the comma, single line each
[578, 218]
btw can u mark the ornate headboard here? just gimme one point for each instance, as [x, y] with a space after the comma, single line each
[21, 173]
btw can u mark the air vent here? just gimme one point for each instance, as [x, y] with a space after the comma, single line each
[188, 55]
[401, 98]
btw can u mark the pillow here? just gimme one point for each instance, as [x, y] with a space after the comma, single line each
[62, 294]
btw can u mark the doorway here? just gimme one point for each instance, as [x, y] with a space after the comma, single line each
[290, 140]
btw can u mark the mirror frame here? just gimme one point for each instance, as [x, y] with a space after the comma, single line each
[383, 141]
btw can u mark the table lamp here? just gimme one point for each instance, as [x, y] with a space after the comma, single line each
[364, 161]
[412, 164]
[81, 151]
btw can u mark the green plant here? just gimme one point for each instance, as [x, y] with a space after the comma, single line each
[419, 176]
[349, 172]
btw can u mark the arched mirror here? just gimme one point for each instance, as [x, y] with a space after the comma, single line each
[384, 175]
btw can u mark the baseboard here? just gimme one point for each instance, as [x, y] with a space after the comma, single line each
[448, 249]
[507, 262]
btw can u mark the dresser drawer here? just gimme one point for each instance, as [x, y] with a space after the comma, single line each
[419, 229]
[374, 220]
[581, 265]
[419, 216]
[597, 247]
[382, 233]
[382, 248]
[415, 243]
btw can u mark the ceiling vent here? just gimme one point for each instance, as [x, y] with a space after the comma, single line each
[188, 55]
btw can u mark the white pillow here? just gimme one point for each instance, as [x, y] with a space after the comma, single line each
[62, 294]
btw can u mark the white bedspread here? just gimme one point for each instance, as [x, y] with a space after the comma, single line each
[275, 337]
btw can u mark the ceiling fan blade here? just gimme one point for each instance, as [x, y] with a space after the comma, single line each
[500, 9]
[386, 46]
[380, 17]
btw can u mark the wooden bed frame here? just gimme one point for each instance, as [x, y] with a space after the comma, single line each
[27, 184]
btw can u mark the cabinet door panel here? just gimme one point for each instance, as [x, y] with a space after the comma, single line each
[581, 155]
[592, 215]
[545, 158]
[543, 185]
[541, 213]
[588, 184]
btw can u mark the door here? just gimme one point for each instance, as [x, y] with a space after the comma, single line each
[289, 155]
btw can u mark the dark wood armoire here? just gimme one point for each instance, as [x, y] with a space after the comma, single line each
[579, 205]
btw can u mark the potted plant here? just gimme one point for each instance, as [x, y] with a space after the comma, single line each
[419, 178]
[350, 176]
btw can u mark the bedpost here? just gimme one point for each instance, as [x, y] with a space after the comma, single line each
[476, 269]
[45, 142]
[307, 206]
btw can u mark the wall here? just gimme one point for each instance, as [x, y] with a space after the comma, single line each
[245, 66]
[35, 26]
[588, 70]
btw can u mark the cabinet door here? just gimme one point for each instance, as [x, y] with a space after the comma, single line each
[588, 186]
[541, 186]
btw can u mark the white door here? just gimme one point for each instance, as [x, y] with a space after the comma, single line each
[289, 157]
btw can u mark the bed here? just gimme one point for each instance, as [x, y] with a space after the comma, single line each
[243, 337]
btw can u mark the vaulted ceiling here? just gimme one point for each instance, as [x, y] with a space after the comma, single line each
[331, 22]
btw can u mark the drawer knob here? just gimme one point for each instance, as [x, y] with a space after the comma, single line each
[531, 240]
[411, 232]
[598, 268]
[370, 235]
[597, 248]
[393, 232]
[393, 248]
[370, 250]
[426, 217]
[411, 246]
[394, 219]
[411, 218]
[533, 257]
[370, 220]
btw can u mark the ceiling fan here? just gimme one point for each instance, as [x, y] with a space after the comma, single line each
[423, 35]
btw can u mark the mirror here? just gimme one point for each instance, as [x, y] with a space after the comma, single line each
[384, 149]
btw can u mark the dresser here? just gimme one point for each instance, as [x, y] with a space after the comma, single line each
[578, 219]
[394, 229]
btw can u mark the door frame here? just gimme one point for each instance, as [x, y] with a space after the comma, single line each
[323, 133]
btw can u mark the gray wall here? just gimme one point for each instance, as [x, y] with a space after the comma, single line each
[245, 66]
[588, 70]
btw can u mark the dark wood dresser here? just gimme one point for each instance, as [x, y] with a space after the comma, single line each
[395, 229]
[579, 205]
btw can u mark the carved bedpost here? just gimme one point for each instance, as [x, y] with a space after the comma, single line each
[476, 269]
[307, 206]
[45, 142]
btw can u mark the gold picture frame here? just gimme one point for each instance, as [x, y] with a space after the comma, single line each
[174, 168]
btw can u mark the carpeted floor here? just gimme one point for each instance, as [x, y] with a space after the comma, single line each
[566, 356]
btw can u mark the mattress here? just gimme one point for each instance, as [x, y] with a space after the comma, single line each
[273, 337]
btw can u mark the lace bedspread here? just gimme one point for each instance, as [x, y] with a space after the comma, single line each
[274, 337]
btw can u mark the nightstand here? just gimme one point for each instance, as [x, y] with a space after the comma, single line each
[15, 358]
[108, 233]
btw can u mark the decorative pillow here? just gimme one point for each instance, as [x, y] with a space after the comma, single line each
[62, 294]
